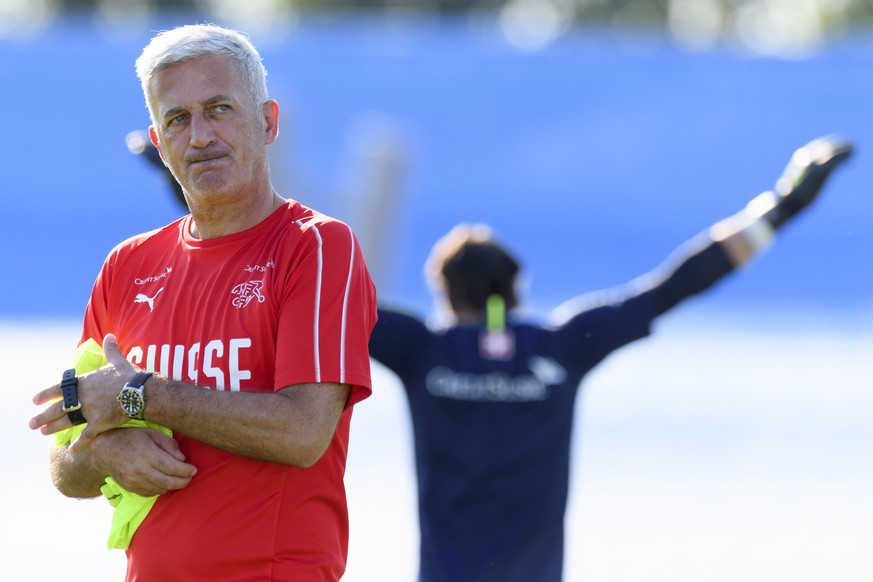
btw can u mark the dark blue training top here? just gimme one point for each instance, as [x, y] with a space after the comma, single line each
[492, 421]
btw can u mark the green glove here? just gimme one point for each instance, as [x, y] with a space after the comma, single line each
[130, 508]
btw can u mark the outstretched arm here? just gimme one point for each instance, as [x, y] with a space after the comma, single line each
[737, 239]
[743, 234]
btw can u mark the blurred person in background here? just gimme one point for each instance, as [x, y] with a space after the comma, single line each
[491, 396]
[242, 327]
[139, 143]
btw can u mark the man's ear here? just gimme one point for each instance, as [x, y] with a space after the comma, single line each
[271, 121]
[153, 136]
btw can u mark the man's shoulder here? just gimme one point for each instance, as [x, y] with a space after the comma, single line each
[308, 224]
[306, 217]
[159, 237]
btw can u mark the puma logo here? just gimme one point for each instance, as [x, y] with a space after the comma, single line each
[143, 298]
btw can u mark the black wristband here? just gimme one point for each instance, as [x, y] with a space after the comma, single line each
[70, 392]
[779, 214]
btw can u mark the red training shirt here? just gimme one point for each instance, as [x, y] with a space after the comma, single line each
[288, 301]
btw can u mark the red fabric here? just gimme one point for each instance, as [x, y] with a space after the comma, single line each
[286, 302]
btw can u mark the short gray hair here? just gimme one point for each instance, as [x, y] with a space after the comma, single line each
[196, 41]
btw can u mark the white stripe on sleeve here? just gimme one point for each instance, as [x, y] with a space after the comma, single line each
[317, 314]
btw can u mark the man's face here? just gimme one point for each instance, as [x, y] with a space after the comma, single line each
[210, 133]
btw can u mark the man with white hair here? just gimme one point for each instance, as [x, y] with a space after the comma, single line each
[242, 327]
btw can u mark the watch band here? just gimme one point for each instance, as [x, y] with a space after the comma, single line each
[70, 393]
[138, 380]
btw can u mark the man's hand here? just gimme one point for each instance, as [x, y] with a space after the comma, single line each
[97, 394]
[142, 460]
[145, 461]
[802, 179]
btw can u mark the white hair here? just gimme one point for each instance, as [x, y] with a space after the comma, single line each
[196, 41]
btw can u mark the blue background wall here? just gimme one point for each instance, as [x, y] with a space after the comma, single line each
[593, 158]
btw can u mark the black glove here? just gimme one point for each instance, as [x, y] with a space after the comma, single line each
[804, 177]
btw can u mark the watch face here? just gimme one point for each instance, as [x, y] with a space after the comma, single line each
[131, 402]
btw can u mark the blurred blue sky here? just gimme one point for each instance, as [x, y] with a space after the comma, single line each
[592, 158]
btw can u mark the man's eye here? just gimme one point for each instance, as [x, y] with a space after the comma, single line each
[179, 119]
[223, 108]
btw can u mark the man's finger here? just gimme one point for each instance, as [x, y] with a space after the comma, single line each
[53, 413]
[48, 395]
[169, 445]
[112, 352]
[85, 438]
[55, 426]
[172, 467]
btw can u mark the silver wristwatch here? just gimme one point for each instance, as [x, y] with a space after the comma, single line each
[131, 398]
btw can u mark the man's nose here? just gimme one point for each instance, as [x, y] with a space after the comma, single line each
[201, 130]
